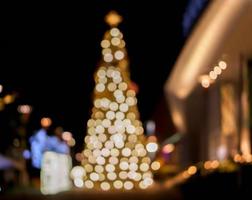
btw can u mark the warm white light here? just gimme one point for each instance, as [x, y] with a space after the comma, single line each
[131, 129]
[142, 185]
[113, 106]
[128, 185]
[124, 165]
[109, 144]
[105, 186]
[102, 137]
[223, 65]
[119, 55]
[108, 57]
[115, 41]
[88, 168]
[120, 115]
[117, 80]
[94, 176]
[111, 176]
[24, 109]
[148, 181]
[217, 70]
[133, 166]
[103, 80]
[99, 129]
[100, 87]
[123, 86]
[101, 73]
[114, 32]
[111, 87]
[205, 82]
[112, 129]
[123, 175]
[130, 101]
[155, 165]
[99, 169]
[106, 51]
[126, 152]
[144, 167]
[110, 115]
[105, 44]
[114, 152]
[105, 103]
[118, 184]
[120, 99]
[78, 182]
[78, 172]
[212, 75]
[89, 184]
[113, 160]
[131, 93]
[133, 159]
[106, 123]
[152, 147]
[105, 152]
[100, 160]
[110, 168]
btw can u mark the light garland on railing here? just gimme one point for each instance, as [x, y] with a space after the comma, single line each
[207, 79]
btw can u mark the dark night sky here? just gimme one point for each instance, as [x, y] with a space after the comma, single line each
[49, 53]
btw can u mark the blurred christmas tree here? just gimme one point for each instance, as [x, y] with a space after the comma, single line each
[115, 156]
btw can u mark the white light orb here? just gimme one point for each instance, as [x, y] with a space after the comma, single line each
[132, 138]
[148, 181]
[110, 72]
[106, 51]
[101, 73]
[130, 101]
[144, 167]
[133, 159]
[123, 175]
[105, 44]
[96, 152]
[91, 123]
[118, 184]
[100, 160]
[102, 80]
[113, 160]
[78, 172]
[118, 93]
[133, 166]
[99, 169]
[89, 184]
[111, 87]
[105, 186]
[120, 115]
[110, 115]
[106, 123]
[119, 55]
[114, 32]
[223, 65]
[115, 41]
[124, 107]
[131, 129]
[119, 144]
[99, 129]
[152, 147]
[110, 168]
[128, 185]
[126, 152]
[155, 165]
[120, 99]
[105, 102]
[114, 152]
[142, 185]
[102, 137]
[131, 93]
[138, 177]
[100, 87]
[123, 86]
[88, 168]
[108, 57]
[109, 144]
[78, 182]
[94, 176]
[105, 152]
[117, 80]
[113, 106]
[112, 129]
[97, 145]
[111, 176]
[124, 165]
[91, 159]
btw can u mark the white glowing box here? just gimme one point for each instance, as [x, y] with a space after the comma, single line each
[55, 172]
